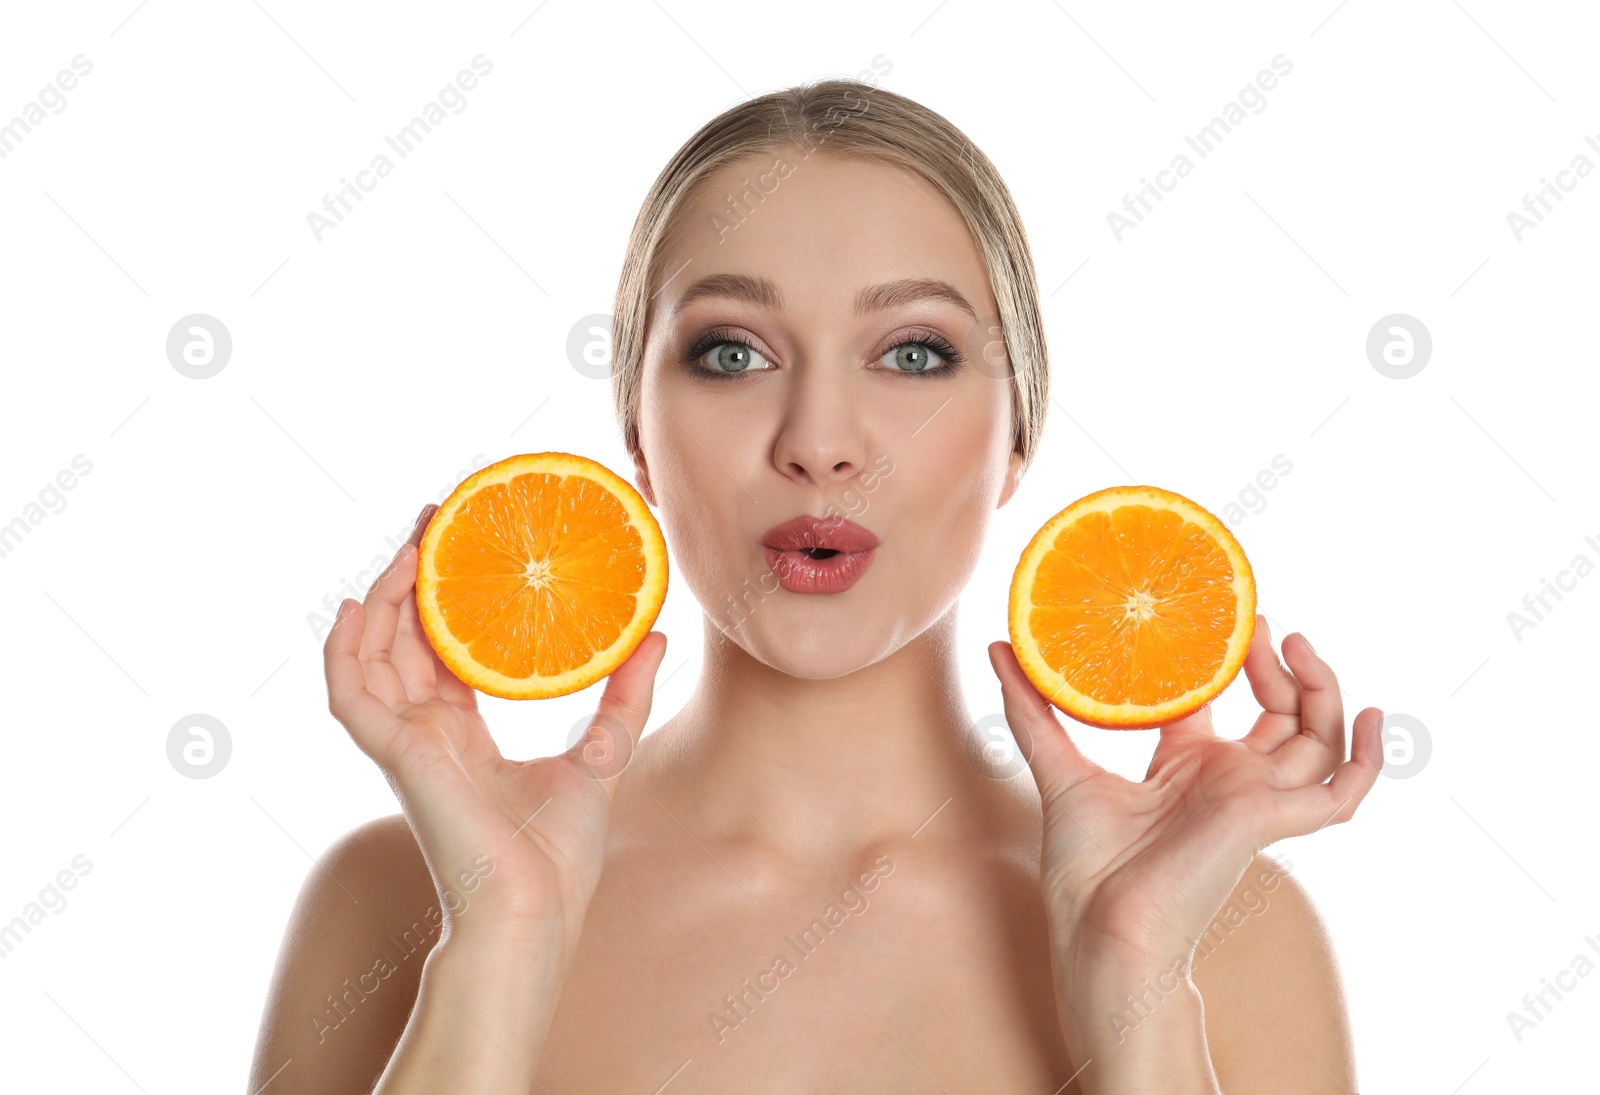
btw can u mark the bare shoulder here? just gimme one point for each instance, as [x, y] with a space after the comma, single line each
[1274, 1000]
[349, 964]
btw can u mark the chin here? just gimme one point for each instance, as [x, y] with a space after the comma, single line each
[818, 643]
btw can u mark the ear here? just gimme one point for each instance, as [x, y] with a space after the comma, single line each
[641, 477]
[1013, 479]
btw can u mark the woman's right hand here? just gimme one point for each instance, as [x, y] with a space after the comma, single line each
[526, 838]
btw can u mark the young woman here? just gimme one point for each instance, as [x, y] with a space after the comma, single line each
[803, 880]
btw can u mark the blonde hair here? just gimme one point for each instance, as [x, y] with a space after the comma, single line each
[848, 118]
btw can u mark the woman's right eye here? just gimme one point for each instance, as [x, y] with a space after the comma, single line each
[730, 358]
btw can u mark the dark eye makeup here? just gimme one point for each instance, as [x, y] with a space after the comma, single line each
[923, 337]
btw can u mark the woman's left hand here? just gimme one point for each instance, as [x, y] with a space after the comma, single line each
[1133, 873]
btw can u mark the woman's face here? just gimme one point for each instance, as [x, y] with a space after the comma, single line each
[758, 411]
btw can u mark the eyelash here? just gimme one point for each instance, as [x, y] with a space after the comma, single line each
[921, 336]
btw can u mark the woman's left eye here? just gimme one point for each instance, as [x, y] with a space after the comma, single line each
[920, 356]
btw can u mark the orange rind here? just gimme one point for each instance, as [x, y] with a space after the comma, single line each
[539, 575]
[1132, 608]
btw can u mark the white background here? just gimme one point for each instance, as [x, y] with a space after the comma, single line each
[426, 334]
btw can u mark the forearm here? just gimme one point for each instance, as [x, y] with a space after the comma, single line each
[1135, 1029]
[480, 1019]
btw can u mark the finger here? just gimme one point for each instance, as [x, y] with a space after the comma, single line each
[1303, 810]
[1321, 703]
[382, 608]
[1275, 690]
[1174, 734]
[423, 519]
[1311, 754]
[1054, 759]
[398, 668]
[1197, 721]
[369, 721]
[413, 656]
[447, 685]
[626, 700]
[452, 689]
[1302, 762]
[412, 653]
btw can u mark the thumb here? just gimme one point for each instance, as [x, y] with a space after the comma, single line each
[618, 723]
[1055, 761]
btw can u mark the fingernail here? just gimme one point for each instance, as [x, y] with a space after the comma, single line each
[420, 524]
[344, 609]
[1309, 646]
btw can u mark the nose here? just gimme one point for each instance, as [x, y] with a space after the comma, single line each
[822, 439]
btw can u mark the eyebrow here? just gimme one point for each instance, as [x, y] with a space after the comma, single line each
[874, 298]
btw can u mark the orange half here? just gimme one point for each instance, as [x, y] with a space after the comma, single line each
[1132, 607]
[539, 575]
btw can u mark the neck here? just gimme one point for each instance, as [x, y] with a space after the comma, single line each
[818, 769]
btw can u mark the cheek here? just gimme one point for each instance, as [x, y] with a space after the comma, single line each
[956, 480]
[696, 471]
[690, 502]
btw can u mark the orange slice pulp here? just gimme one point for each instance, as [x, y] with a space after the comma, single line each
[1132, 608]
[539, 575]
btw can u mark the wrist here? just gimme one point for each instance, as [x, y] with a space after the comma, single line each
[1136, 1025]
[521, 952]
[1103, 965]
[507, 985]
